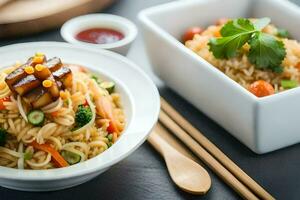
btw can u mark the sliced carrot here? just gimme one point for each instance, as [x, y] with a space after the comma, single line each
[85, 103]
[110, 128]
[6, 99]
[104, 108]
[57, 158]
[54, 114]
[298, 66]
[261, 88]
[217, 34]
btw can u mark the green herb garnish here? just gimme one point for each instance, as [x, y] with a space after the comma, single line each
[283, 33]
[278, 69]
[266, 52]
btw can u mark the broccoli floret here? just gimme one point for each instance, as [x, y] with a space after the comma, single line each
[83, 116]
[3, 135]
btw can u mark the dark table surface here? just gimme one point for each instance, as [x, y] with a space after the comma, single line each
[143, 174]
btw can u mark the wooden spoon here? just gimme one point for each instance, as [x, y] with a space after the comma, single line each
[186, 173]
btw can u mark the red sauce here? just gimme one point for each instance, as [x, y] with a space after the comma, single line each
[99, 36]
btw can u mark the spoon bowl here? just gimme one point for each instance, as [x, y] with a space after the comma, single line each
[187, 174]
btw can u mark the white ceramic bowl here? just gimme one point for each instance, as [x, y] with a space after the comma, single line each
[263, 124]
[140, 99]
[121, 24]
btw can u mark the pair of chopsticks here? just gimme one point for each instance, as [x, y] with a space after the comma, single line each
[211, 155]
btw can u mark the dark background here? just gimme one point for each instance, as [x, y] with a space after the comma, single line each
[143, 174]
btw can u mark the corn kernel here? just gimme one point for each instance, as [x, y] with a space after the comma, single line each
[38, 59]
[39, 67]
[39, 54]
[47, 83]
[29, 70]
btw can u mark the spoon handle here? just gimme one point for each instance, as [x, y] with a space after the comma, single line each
[159, 143]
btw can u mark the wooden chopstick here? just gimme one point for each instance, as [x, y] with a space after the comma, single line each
[214, 151]
[208, 159]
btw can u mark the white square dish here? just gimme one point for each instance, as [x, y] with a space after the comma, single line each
[262, 124]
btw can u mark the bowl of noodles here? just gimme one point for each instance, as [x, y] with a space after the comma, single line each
[68, 113]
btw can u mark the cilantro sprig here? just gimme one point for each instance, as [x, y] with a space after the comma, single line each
[266, 52]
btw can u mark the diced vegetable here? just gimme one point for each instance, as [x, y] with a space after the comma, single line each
[57, 158]
[3, 136]
[83, 115]
[36, 117]
[27, 156]
[54, 114]
[6, 99]
[189, 34]
[85, 103]
[110, 128]
[96, 78]
[283, 33]
[108, 85]
[288, 84]
[71, 157]
[222, 21]
[110, 137]
[261, 88]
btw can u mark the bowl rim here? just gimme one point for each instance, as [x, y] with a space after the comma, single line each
[114, 20]
[145, 17]
[80, 168]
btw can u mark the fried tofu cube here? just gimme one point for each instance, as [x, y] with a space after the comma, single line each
[38, 97]
[65, 76]
[26, 84]
[54, 64]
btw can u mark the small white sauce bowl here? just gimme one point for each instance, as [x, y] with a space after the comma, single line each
[72, 27]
